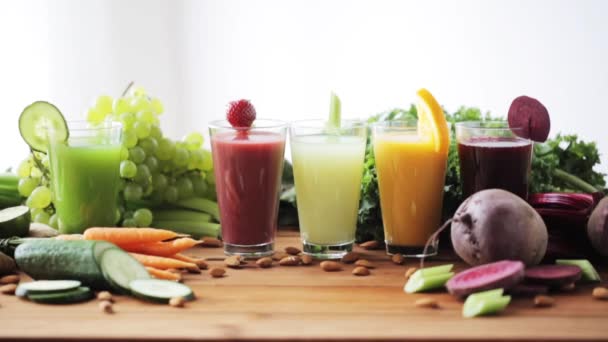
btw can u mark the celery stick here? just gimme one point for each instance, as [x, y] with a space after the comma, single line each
[9, 181]
[201, 204]
[484, 304]
[430, 271]
[422, 282]
[181, 215]
[495, 293]
[589, 272]
[335, 112]
[196, 229]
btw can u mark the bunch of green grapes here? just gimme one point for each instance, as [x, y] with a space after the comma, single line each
[34, 184]
[154, 169]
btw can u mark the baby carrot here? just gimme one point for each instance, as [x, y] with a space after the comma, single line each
[164, 263]
[163, 248]
[162, 274]
[122, 236]
[200, 262]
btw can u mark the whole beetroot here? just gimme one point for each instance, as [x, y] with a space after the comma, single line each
[597, 227]
[493, 225]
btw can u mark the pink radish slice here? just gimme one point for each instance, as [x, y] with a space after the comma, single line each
[501, 274]
[528, 290]
[531, 117]
[553, 275]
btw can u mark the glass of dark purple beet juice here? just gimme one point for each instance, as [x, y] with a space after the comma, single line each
[492, 155]
[248, 166]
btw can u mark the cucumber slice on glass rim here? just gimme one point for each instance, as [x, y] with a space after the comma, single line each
[158, 290]
[35, 122]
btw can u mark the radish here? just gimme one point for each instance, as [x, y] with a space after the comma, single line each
[553, 275]
[502, 274]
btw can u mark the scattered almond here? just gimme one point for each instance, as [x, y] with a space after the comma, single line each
[600, 293]
[105, 295]
[568, 287]
[202, 264]
[210, 242]
[542, 301]
[397, 259]
[217, 272]
[8, 289]
[194, 269]
[350, 257]
[361, 271]
[364, 263]
[277, 256]
[233, 261]
[292, 250]
[306, 259]
[106, 306]
[264, 262]
[330, 266]
[177, 302]
[371, 244]
[292, 260]
[426, 302]
[9, 279]
[409, 272]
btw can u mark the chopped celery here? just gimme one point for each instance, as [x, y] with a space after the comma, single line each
[485, 303]
[429, 271]
[422, 282]
[196, 229]
[495, 293]
[589, 272]
[181, 215]
[201, 204]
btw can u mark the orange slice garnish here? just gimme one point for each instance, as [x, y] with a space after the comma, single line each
[431, 121]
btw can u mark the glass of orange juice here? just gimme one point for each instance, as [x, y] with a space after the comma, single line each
[411, 159]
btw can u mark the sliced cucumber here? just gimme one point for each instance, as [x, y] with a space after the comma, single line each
[77, 295]
[120, 269]
[35, 122]
[46, 286]
[162, 291]
[15, 221]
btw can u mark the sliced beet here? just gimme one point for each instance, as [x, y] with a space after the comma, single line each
[553, 275]
[531, 117]
[528, 290]
[501, 274]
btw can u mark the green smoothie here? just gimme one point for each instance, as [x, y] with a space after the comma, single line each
[84, 182]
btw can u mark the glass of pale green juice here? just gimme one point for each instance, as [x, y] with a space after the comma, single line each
[85, 175]
[328, 167]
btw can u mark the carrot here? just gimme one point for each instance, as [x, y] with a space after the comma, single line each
[200, 262]
[69, 237]
[122, 236]
[162, 274]
[164, 263]
[162, 248]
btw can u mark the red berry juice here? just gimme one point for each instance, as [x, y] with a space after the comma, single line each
[248, 169]
[487, 163]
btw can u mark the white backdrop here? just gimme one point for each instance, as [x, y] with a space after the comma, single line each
[286, 56]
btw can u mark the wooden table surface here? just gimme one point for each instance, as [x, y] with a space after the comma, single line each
[304, 303]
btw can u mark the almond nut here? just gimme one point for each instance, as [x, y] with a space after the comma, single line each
[8, 289]
[371, 244]
[177, 302]
[292, 250]
[600, 293]
[202, 264]
[233, 261]
[277, 256]
[217, 272]
[409, 272]
[105, 295]
[364, 263]
[426, 302]
[9, 279]
[106, 306]
[568, 287]
[306, 259]
[210, 242]
[330, 266]
[350, 257]
[292, 260]
[361, 271]
[264, 262]
[542, 301]
[397, 259]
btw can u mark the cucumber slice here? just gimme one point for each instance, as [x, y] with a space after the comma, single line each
[120, 269]
[589, 272]
[77, 295]
[162, 291]
[46, 286]
[35, 121]
[15, 221]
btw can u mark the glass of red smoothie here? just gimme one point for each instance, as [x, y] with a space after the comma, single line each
[493, 155]
[248, 165]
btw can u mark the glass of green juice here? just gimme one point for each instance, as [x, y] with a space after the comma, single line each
[85, 175]
[328, 167]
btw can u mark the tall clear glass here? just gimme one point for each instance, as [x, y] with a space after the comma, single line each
[327, 167]
[411, 177]
[493, 155]
[85, 175]
[248, 165]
